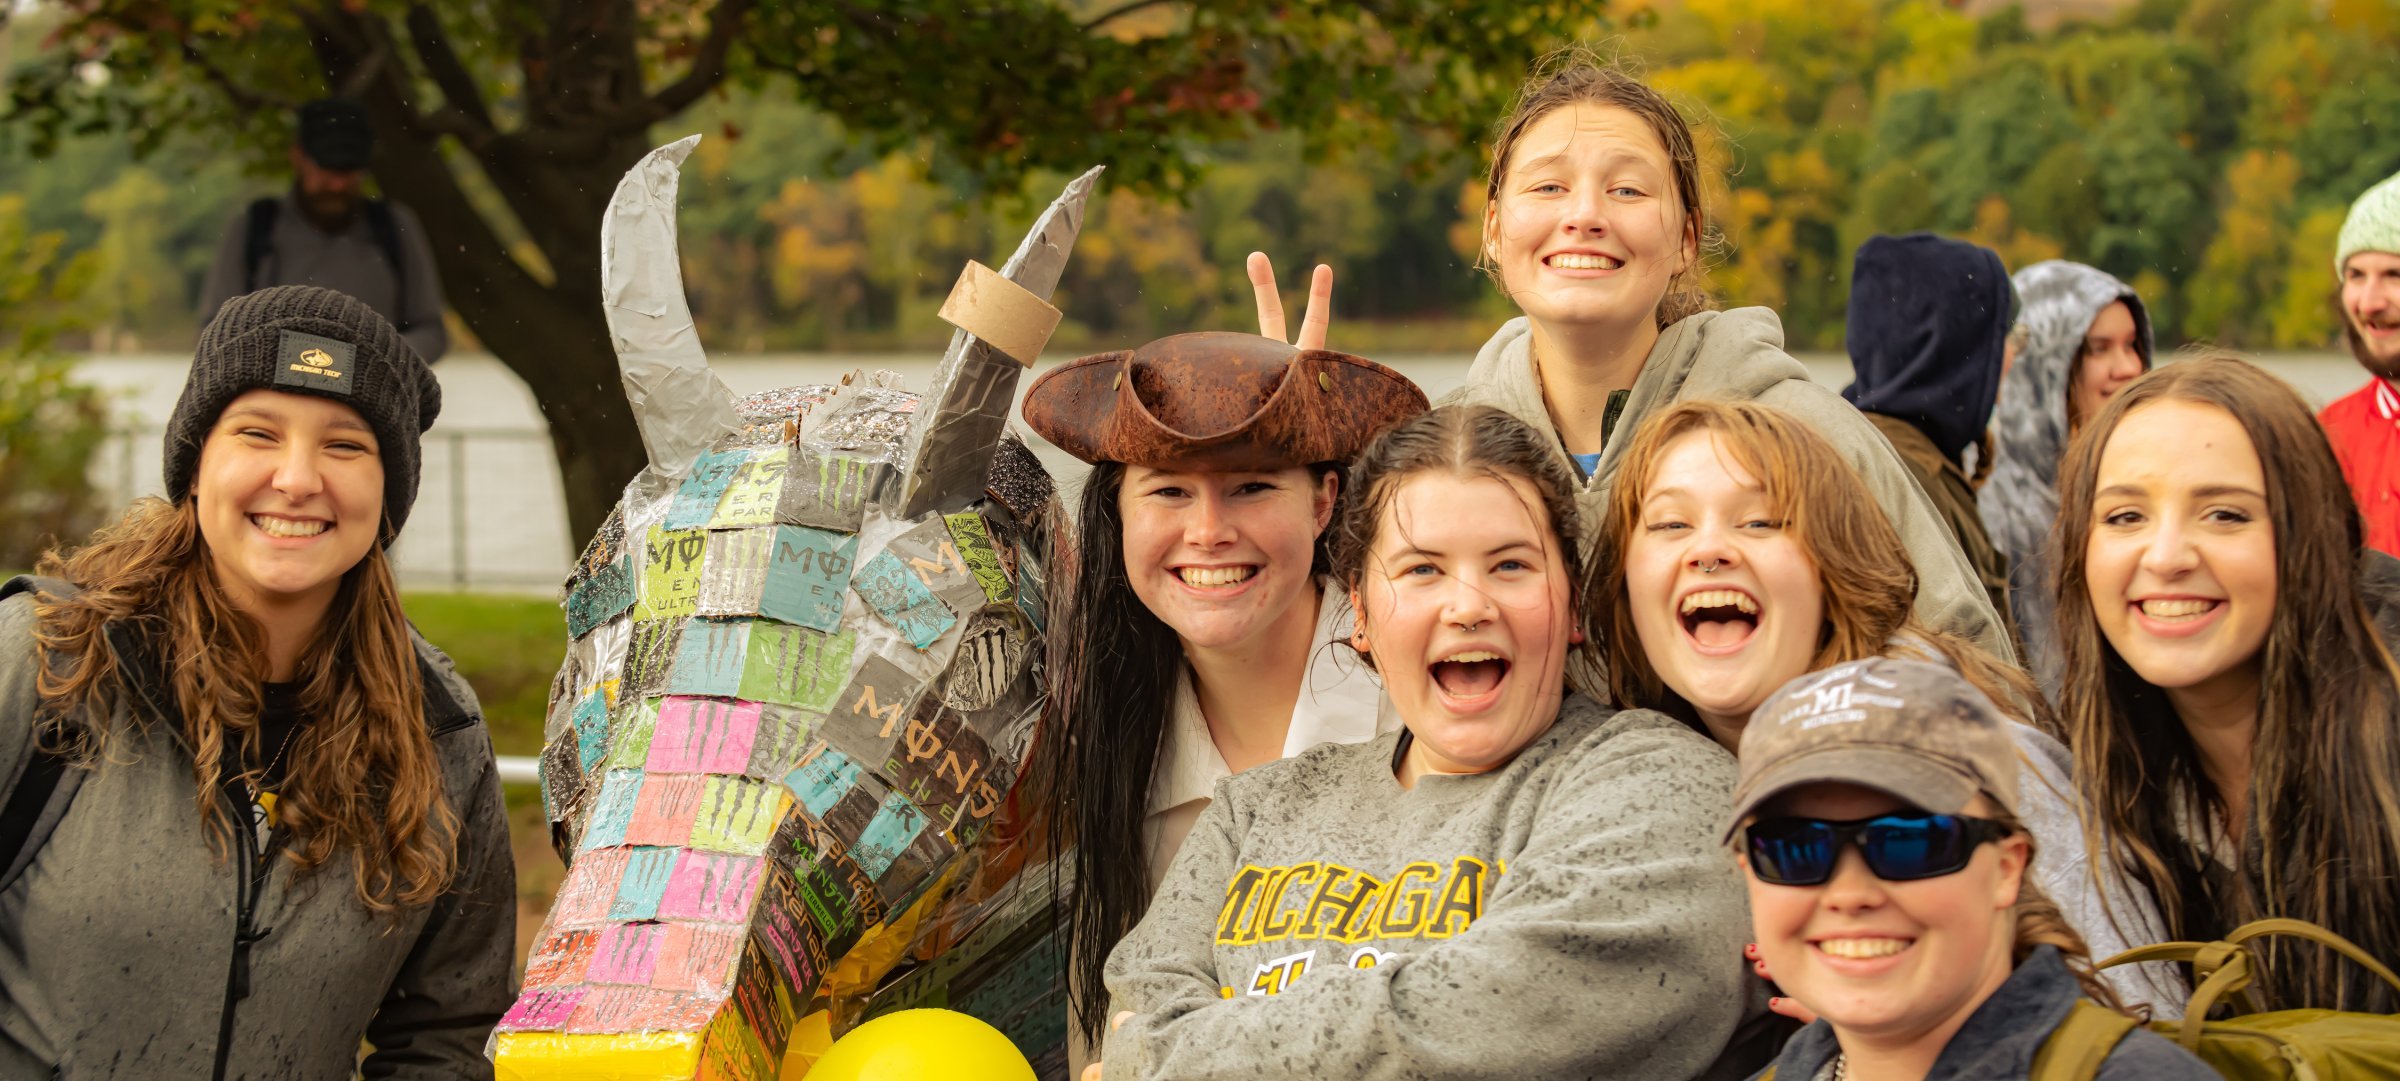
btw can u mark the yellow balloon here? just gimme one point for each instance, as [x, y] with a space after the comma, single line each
[923, 1045]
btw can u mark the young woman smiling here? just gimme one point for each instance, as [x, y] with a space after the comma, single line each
[269, 822]
[1741, 552]
[1594, 227]
[1194, 640]
[2232, 709]
[1520, 884]
[1890, 888]
[2086, 336]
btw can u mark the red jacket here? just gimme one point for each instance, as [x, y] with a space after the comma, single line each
[2365, 429]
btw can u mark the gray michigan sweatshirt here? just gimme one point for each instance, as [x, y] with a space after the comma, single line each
[1568, 915]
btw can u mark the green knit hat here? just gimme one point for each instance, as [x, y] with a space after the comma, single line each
[2373, 225]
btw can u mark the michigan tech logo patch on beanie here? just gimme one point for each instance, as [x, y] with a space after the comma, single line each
[314, 362]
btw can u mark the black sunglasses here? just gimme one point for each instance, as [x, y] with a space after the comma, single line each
[1897, 847]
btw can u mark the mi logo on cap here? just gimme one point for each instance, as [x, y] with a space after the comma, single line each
[314, 362]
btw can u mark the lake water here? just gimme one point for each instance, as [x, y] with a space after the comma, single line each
[489, 513]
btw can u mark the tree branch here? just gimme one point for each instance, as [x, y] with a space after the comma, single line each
[451, 121]
[1121, 10]
[249, 100]
[459, 91]
[707, 70]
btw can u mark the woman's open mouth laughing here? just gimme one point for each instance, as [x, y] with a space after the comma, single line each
[1470, 679]
[1718, 621]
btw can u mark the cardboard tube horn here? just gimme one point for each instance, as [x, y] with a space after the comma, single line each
[805, 662]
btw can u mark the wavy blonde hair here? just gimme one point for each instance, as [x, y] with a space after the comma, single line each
[363, 777]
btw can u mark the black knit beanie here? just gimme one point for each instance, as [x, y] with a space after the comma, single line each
[304, 340]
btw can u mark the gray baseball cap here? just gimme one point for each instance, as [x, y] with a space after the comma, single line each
[1916, 730]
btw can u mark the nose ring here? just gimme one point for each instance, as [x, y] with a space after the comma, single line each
[1711, 566]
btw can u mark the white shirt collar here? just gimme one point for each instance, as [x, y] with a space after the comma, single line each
[1340, 702]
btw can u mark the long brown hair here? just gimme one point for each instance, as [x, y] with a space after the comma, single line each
[1869, 586]
[363, 776]
[1579, 75]
[1112, 678]
[2322, 842]
[1464, 440]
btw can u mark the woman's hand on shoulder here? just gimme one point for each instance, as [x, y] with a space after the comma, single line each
[1270, 303]
[1788, 1007]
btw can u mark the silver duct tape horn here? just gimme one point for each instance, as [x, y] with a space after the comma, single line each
[805, 663]
[976, 386]
[680, 405]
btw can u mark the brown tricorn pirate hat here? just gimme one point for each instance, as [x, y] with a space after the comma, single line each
[1218, 401]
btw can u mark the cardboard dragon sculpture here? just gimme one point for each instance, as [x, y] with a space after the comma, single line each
[805, 666]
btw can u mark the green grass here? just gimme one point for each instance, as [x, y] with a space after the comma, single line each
[507, 648]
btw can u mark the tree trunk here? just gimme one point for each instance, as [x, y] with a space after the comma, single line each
[555, 175]
[554, 337]
[563, 354]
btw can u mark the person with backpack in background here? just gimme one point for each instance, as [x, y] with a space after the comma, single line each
[248, 818]
[326, 232]
[1891, 890]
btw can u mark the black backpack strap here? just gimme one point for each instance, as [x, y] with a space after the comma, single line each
[384, 226]
[39, 800]
[258, 241]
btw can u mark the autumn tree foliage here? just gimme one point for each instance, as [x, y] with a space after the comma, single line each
[505, 123]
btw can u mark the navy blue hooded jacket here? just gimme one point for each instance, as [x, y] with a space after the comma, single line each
[1928, 319]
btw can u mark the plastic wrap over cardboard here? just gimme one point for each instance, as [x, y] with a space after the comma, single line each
[788, 708]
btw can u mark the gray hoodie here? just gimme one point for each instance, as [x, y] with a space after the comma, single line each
[2057, 302]
[1738, 356]
[1567, 915]
[117, 944]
